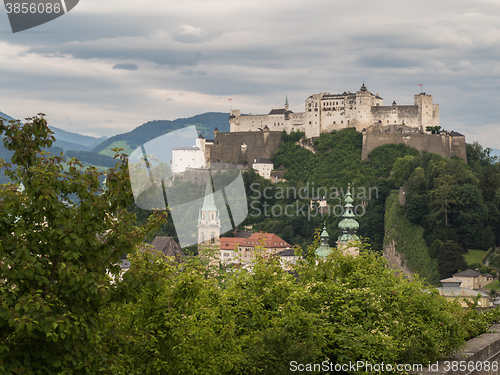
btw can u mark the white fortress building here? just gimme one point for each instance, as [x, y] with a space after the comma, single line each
[327, 112]
[189, 157]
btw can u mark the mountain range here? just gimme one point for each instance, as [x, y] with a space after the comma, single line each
[98, 151]
[205, 125]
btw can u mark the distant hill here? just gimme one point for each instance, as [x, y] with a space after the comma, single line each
[96, 151]
[7, 117]
[205, 123]
[72, 144]
[74, 141]
[496, 152]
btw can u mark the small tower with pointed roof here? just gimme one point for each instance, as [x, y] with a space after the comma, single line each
[324, 249]
[348, 227]
[209, 220]
[105, 183]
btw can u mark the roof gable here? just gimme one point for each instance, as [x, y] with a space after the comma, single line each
[167, 246]
[467, 273]
[269, 240]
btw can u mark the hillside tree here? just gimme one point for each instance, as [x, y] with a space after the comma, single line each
[61, 239]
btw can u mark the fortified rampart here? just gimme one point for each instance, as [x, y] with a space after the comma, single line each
[242, 147]
[445, 143]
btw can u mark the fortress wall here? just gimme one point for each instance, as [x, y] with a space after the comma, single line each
[398, 114]
[439, 144]
[241, 147]
[458, 147]
[254, 122]
[247, 123]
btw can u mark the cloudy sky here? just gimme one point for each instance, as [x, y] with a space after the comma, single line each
[106, 67]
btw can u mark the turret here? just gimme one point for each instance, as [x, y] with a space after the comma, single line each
[348, 226]
[324, 249]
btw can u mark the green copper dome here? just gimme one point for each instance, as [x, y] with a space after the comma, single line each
[323, 250]
[324, 233]
[348, 226]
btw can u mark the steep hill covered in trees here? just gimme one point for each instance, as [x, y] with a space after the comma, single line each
[406, 239]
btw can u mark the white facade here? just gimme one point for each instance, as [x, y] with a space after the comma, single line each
[327, 112]
[263, 167]
[188, 157]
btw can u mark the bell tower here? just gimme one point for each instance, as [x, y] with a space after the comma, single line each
[209, 220]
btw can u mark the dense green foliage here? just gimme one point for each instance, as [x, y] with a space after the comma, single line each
[450, 259]
[56, 253]
[67, 310]
[447, 198]
[183, 320]
[456, 204]
[444, 196]
[327, 172]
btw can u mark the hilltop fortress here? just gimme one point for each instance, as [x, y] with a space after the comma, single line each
[326, 112]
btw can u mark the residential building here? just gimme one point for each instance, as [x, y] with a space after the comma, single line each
[263, 167]
[473, 279]
[244, 250]
[451, 288]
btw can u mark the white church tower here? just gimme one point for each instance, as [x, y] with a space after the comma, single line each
[209, 220]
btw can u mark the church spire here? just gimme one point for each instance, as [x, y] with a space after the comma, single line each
[286, 103]
[209, 219]
[348, 226]
[208, 200]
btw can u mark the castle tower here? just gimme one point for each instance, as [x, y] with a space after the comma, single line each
[348, 227]
[428, 113]
[362, 116]
[209, 220]
[324, 249]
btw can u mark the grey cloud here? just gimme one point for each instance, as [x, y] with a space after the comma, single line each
[386, 60]
[126, 66]
[190, 34]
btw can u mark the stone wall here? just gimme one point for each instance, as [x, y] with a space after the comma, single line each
[442, 144]
[478, 351]
[243, 147]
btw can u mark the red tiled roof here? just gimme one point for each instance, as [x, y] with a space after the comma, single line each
[270, 240]
[230, 243]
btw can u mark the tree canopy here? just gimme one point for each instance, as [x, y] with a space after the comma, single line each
[67, 308]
